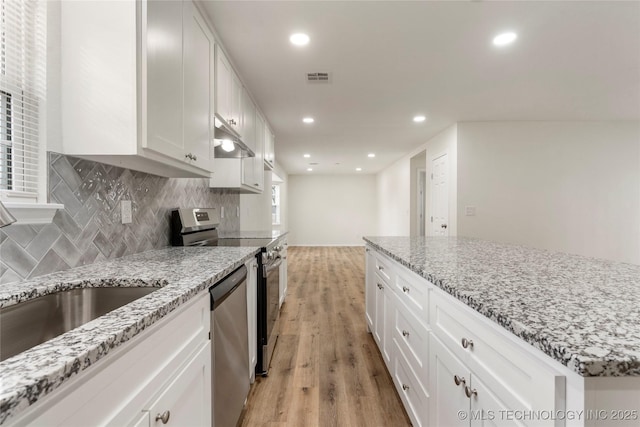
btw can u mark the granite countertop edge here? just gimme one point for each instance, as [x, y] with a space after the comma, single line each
[585, 367]
[37, 372]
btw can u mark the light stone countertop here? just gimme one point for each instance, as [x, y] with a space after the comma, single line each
[181, 273]
[253, 234]
[582, 312]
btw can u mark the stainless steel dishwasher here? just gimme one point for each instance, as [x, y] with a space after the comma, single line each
[230, 348]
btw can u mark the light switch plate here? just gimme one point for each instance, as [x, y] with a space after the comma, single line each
[221, 211]
[125, 207]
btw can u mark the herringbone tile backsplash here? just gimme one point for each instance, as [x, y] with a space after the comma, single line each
[89, 228]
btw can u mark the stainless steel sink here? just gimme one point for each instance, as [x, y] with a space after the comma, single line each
[27, 324]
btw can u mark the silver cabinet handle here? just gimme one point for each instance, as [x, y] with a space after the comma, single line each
[191, 156]
[256, 184]
[405, 387]
[232, 122]
[405, 289]
[405, 333]
[380, 268]
[467, 343]
[469, 392]
[164, 417]
[459, 380]
[380, 286]
[444, 226]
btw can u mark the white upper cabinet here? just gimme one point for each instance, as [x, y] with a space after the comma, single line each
[198, 88]
[135, 85]
[245, 175]
[269, 148]
[228, 92]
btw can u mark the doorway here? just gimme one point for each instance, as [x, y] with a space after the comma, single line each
[440, 196]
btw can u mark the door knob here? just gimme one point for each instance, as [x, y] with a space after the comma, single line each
[469, 392]
[459, 380]
[164, 417]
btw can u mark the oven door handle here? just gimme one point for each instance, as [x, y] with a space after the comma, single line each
[272, 266]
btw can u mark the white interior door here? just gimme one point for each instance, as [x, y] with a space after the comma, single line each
[422, 186]
[440, 196]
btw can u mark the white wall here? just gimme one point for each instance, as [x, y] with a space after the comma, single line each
[255, 209]
[331, 210]
[394, 186]
[571, 187]
[394, 197]
[417, 162]
[446, 142]
[284, 198]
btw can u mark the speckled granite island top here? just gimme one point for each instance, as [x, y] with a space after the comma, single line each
[583, 312]
[181, 273]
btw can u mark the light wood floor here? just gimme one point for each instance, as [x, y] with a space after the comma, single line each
[326, 369]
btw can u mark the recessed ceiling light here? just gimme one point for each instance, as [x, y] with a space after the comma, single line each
[299, 39]
[308, 120]
[371, 155]
[306, 156]
[358, 169]
[504, 39]
[419, 119]
[309, 169]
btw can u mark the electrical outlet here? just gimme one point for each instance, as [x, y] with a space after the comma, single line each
[221, 211]
[470, 210]
[125, 207]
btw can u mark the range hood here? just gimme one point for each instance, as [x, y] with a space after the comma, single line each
[226, 141]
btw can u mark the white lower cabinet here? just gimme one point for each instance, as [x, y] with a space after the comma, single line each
[283, 271]
[164, 372]
[450, 366]
[186, 400]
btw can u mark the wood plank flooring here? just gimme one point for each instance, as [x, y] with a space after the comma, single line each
[326, 369]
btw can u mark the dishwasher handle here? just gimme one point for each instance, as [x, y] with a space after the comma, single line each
[221, 290]
[272, 266]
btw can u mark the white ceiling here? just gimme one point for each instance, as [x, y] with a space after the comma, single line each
[391, 60]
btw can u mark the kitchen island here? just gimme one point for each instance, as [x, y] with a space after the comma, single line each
[183, 275]
[577, 318]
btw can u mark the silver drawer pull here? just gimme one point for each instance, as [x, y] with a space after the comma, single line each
[405, 333]
[469, 392]
[380, 286]
[405, 387]
[380, 268]
[459, 380]
[405, 289]
[467, 343]
[164, 417]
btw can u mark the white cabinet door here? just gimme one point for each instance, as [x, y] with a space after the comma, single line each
[236, 104]
[249, 176]
[258, 164]
[370, 290]
[269, 156]
[186, 400]
[283, 274]
[198, 89]
[142, 420]
[223, 84]
[449, 405]
[164, 78]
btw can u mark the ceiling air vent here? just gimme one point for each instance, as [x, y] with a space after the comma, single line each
[319, 77]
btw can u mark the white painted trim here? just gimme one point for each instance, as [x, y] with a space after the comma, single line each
[33, 213]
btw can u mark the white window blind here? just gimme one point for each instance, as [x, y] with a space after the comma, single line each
[22, 88]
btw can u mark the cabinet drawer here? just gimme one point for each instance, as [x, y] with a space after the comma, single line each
[413, 291]
[412, 338]
[384, 267]
[498, 359]
[411, 390]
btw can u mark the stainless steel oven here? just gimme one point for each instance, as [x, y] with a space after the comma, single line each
[198, 227]
[268, 308]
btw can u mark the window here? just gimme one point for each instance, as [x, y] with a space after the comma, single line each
[22, 87]
[275, 204]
